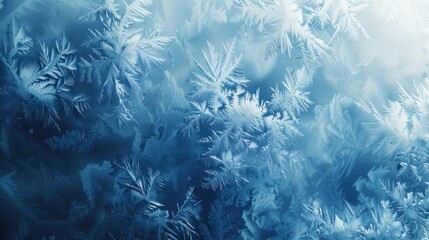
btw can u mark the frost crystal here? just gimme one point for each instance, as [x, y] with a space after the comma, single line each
[220, 119]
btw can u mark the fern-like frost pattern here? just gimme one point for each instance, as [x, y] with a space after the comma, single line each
[221, 119]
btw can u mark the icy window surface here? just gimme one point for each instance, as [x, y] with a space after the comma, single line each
[214, 119]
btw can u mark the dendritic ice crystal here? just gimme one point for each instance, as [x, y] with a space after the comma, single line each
[214, 119]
